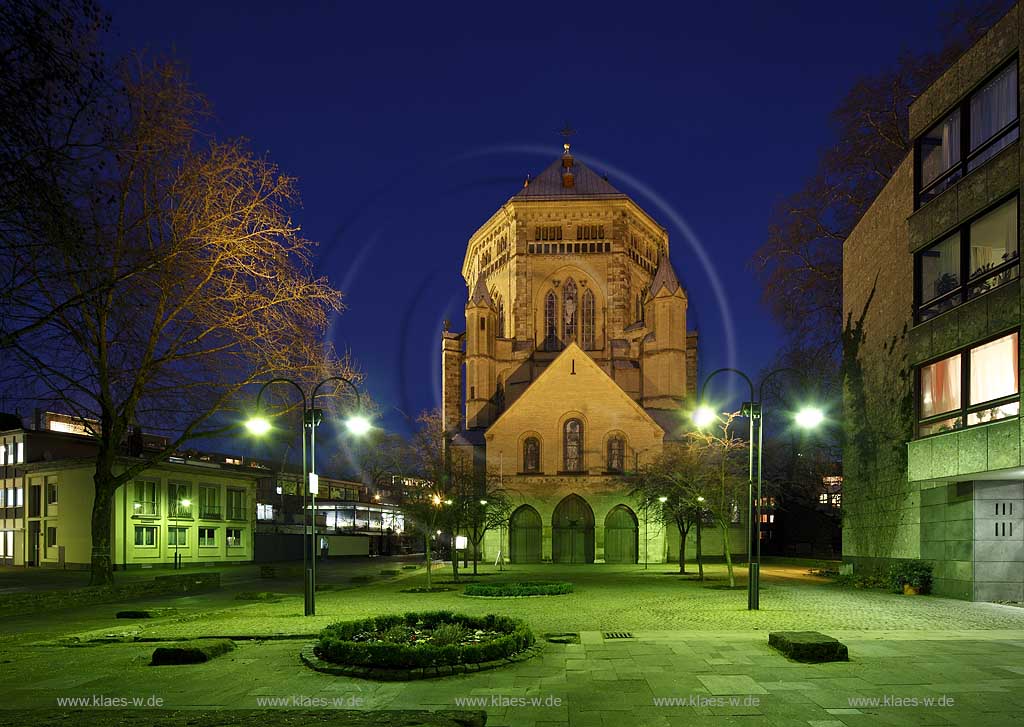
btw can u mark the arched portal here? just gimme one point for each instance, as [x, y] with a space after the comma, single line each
[621, 536]
[572, 531]
[525, 533]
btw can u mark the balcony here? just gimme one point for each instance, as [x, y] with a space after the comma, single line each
[210, 512]
[182, 512]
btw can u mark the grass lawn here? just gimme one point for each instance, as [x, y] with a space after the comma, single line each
[616, 597]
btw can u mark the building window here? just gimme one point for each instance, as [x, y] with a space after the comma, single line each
[550, 232]
[233, 537]
[51, 493]
[51, 537]
[981, 255]
[500, 305]
[264, 512]
[207, 537]
[982, 125]
[550, 322]
[145, 536]
[978, 385]
[209, 501]
[146, 498]
[588, 320]
[177, 537]
[573, 445]
[616, 453]
[590, 232]
[569, 311]
[179, 499]
[21, 453]
[236, 504]
[531, 455]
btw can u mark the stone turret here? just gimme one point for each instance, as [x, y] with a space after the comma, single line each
[664, 360]
[481, 375]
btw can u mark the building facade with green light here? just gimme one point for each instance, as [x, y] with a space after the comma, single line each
[932, 320]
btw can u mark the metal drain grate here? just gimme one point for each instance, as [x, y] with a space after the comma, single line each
[617, 635]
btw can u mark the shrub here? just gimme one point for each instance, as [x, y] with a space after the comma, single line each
[499, 590]
[914, 573]
[348, 643]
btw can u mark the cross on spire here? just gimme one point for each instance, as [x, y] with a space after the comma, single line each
[565, 133]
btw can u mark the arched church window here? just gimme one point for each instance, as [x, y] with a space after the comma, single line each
[572, 444]
[639, 313]
[550, 322]
[500, 305]
[569, 311]
[588, 320]
[531, 455]
[616, 453]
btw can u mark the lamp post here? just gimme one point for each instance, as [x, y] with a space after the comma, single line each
[177, 530]
[807, 418]
[356, 424]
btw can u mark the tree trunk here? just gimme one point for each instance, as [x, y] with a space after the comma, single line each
[700, 553]
[430, 562]
[476, 554]
[682, 550]
[724, 527]
[102, 564]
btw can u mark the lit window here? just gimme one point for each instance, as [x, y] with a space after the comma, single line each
[981, 255]
[588, 320]
[986, 374]
[234, 537]
[51, 493]
[531, 455]
[21, 453]
[51, 537]
[569, 311]
[145, 536]
[985, 122]
[264, 512]
[179, 499]
[209, 501]
[236, 504]
[550, 323]
[573, 445]
[177, 537]
[145, 498]
[616, 453]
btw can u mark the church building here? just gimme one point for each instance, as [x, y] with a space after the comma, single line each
[573, 367]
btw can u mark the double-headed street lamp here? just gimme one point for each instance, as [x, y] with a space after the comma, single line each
[807, 418]
[311, 417]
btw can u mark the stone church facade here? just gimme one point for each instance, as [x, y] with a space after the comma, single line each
[573, 367]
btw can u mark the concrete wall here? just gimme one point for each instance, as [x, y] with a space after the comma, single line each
[947, 537]
[998, 541]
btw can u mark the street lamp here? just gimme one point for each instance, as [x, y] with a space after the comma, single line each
[807, 418]
[311, 417]
[185, 502]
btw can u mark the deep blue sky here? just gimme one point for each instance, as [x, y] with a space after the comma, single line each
[409, 124]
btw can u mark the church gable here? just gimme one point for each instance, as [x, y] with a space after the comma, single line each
[573, 387]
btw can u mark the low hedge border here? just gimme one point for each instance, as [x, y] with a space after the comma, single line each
[513, 590]
[314, 662]
[336, 646]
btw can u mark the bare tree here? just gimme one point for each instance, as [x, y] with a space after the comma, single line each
[221, 295]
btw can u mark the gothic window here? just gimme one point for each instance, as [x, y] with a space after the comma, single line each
[531, 455]
[550, 322]
[500, 305]
[639, 309]
[588, 320]
[572, 444]
[569, 311]
[616, 453]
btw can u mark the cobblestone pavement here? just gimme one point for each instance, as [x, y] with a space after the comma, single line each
[925, 660]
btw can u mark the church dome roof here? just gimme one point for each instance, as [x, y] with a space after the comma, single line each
[568, 178]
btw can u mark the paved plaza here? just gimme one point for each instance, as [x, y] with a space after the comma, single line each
[696, 656]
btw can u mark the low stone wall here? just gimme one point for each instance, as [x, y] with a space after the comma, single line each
[168, 585]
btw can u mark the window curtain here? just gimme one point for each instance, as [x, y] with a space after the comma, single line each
[994, 371]
[940, 387]
[994, 107]
[994, 238]
[940, 148]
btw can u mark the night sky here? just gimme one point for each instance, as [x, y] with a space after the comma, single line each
[409, 125]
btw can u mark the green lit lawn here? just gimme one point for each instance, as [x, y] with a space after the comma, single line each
[611, 597]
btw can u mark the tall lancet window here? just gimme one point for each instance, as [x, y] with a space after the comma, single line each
[639, 309]
[588, 320]
[531, 455]
[572, 444]
[550, 322]
[500, 305]
[569, 311]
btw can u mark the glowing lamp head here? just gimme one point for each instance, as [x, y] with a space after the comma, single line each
[662, 499]
[700, 498]
[809, 417]
[483, 502]
[436, 499]
[186, 503]
[703, 416]
[258, 425]
[358, 425]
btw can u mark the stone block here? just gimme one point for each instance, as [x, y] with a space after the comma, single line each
[972, 195]
[808, 646]
[972, 451]
[972, 322]
[191, 652]
[932, 549]
[950, 588]
[999, 591]
[933, 495]
[919, 460]
[959, 530]
[962, 550]
[1004, 445]
[1003, 307]
[957, 570]
[933, 531]
[945, 455]
[1002, 172]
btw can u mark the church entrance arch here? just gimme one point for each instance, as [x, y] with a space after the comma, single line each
[525, 531]
[621, 536]
[572, 531]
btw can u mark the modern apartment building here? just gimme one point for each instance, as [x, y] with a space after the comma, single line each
[932, 304]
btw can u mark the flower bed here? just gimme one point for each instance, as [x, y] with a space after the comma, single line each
[505, 590]
[427, 640]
